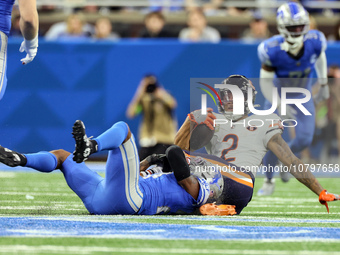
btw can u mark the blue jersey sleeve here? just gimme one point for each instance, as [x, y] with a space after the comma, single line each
[268, 49]
[318, 39]
[262, 52]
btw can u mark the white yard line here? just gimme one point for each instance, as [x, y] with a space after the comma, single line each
[128, 218]
[18, 193]
[8, 249]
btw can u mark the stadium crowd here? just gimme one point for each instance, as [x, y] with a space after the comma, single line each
[212, 21]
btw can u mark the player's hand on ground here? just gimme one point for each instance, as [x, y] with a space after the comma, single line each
[323, 94]
[196, 117]
[325, 197]
[31, 48]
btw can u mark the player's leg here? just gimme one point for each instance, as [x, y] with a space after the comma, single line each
[110, 139]
[269, 165]
[3, 63]
[122, 178]
[83, 181]
[269, 162]
[304, 130]
[42, 161]
[120, 191]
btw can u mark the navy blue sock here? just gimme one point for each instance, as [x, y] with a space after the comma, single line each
[42, 161]
[113, 137]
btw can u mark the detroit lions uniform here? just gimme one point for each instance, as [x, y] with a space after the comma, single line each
[287, 69]
[5, 27]
[287, 66]
[123, 190]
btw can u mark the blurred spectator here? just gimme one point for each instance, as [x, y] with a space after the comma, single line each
[158, 128]
[323, 4]
[166, 5]
[154, 26]
[90, 9]
[74, 28]
[103, 30]
[210, 7]
[198, 30]
[312, 23]
[257, 31]
[336, 34]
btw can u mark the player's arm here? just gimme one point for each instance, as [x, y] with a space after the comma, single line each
[29, 22]
[29, 26]
[321, 72]
[182, 138]
[281, 149]
[300, 171]
[185, 133]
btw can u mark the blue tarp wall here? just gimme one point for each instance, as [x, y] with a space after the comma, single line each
[95, 82]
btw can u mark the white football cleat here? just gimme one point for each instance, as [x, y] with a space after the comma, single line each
[267, 188]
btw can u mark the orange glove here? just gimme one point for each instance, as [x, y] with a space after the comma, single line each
[197, 118]
[218, 210]
[325, 197]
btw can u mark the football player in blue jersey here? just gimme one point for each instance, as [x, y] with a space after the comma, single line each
[29, 24]
[123, 190]
[288, 60]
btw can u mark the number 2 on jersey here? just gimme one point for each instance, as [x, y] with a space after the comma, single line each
[233, 146]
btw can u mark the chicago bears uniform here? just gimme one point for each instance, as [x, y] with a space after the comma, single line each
[233, 142]
[229, 184]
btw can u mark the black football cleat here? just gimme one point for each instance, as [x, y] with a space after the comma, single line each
[11, 158]
[84, 145]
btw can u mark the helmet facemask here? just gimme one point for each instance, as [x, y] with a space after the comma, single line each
[227, 97]
[293, 24]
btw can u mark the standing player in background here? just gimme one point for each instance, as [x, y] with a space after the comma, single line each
[29, 24]
[292, 57]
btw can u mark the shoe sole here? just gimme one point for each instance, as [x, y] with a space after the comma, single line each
[78, 134]
[217, 210]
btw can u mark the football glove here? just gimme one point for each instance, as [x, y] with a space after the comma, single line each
[325, 197]
[160, 160]
[155, 158]
[31, 48]
[213, 209]
[323, 94]
[197, 118]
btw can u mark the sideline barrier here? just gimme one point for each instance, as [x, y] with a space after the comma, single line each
[95, 82]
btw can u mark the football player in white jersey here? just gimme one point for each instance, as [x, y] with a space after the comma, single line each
[243, 141]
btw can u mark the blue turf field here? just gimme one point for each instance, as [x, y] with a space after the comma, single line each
[116, 227]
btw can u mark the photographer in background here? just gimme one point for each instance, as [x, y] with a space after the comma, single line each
[158, 128]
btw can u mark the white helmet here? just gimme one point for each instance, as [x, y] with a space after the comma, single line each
[293, 23]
